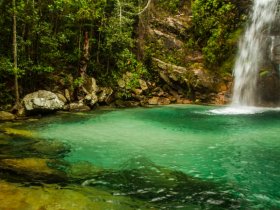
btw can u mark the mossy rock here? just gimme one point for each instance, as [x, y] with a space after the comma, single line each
[54, 197]
[49, 149]
[6, 116]
[19, 132]
[83, 170]
[264, 73]
[34, 165]
[31, 170]
[4, 140]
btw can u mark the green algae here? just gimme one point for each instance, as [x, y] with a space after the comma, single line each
[55, 197]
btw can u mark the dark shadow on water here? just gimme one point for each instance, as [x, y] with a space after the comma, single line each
[142, 179]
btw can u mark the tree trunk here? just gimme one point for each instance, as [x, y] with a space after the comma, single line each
[85, 57]
[15, 51]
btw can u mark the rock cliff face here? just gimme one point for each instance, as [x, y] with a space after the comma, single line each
[180, 68]
[268, 87]
[268, 84]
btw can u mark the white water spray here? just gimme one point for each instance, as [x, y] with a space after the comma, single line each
[251, 52]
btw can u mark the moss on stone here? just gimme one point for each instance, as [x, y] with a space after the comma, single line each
[54, 197]
[19, 132]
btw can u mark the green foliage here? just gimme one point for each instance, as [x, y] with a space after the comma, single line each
[264, 73]
[6, 65]
[130, 71]
[117, 43]
[127, 62]
[213, 23]
[50, 36]
[118, 35]
[228, 62]
[39, 68]
[227, 65]
[78, 82]
[5, 95]
[171, 6]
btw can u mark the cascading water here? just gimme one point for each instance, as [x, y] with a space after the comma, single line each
[251, 52]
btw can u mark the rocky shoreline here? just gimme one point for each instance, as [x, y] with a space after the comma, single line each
[89, 96]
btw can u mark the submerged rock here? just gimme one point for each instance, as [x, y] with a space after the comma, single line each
[83, 170]
[31, 170]
[31, 165]
[3, 141]
[18, 132]
[5, 116]
[13, 145]
[34, 165]
[42, 101]
[49, 149]
[55, 197]
[144, 180]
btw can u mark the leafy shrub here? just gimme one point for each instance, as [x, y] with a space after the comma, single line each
[171, 6]
[78, 82]
[130, 70]
[6, 65]
[213, 23]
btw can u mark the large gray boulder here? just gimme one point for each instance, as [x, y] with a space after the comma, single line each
[42, 101]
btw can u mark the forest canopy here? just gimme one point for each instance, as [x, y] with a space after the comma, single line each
[51, 35]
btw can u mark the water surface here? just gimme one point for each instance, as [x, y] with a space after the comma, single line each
[233, 158]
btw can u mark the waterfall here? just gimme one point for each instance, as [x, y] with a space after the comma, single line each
[251, 52]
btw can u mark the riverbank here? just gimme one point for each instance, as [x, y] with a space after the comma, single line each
[8, 116]
[88, 96]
